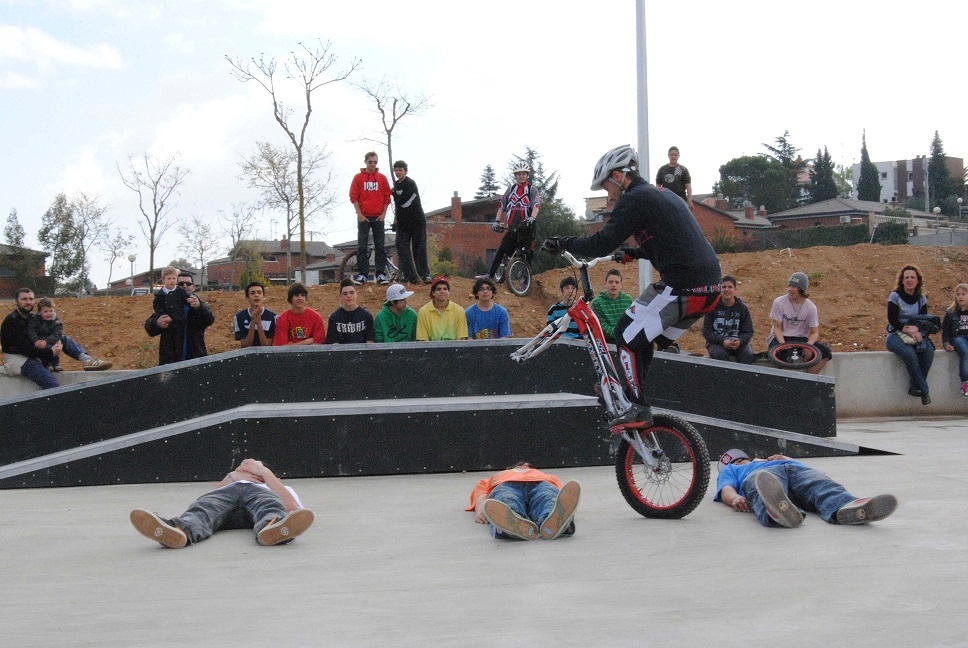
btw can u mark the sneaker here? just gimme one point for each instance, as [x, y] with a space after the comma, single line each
[508, 522]
[359, 279]
[925, 399]
[778, 505]
[382, 279]
[153, 527]
[964, 389]
[57, 369]
[638, 416]
[483, 276]
[287, 528]
[563, 513]
[914, 391]
[867, 509]
[428, 280]
[96, 365]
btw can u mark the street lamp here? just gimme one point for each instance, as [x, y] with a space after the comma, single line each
[131, 258]
[960, 200]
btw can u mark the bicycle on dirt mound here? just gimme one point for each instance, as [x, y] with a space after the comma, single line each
[517, 267]
[662, 470]
[348, 264]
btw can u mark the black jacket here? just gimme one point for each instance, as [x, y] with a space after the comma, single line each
[175, 345]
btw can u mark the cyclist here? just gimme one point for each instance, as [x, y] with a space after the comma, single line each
[668, 236]
[520, 204]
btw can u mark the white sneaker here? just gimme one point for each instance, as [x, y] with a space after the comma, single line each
[382, 279]
[359, 280]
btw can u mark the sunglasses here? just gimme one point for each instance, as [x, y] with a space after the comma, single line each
[185, 283]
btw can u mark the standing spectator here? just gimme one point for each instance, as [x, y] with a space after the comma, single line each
[519, 205]
[179, 318]
[905, 337]
[396, 322]
[729, 328]
[45, 329]
[410, 224]
[795, 319]
[568, 287]
[487, 320]
[675, 177]
[440, 318]
[255, 325]
[350, 323]
[300, 324]
[954, 333]
[370, 195]
[21, 358]
[611, 304]
[200, 316]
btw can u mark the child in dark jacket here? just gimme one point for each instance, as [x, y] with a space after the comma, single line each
[45, 329]
[954, 333]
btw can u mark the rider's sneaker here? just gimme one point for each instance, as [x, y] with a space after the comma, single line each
[867, 509]
[359, 280]
[637, 416]
[779, 507]
[563, 513]
[506, 521]
[382, 279]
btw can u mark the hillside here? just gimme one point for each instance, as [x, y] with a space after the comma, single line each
[849, 285]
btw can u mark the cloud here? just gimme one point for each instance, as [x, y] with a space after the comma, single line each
[44, 50]
[14, 80]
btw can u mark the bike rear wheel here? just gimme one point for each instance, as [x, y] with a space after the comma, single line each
[519, 277]
[348, 263]
[795, 355]
[676, 487]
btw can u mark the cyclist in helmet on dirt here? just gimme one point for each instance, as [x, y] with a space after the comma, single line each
[667, 235]
[520, 204]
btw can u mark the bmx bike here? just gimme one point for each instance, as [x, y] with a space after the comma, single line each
[516, 269]
[663, 469]
[348, 264]
[794, 355]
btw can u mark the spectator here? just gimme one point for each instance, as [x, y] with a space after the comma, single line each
[795, 319]
[525, 504]
[675, 177]
[440, 318]
[180, 318]
[611, 304]
[45, 329]
[954, 333]
[905, 337]
[249, 497]
[396, 322]
[487, 320]
[255, 325]
[728, 328]
[777, 488]
[410, 224]
[568, 287]
[300, 324]
[350, 323]
[22, 358]
[370, 195]
[519, 206]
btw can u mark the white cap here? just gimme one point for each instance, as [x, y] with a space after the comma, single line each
[730, 456]
[397, 291]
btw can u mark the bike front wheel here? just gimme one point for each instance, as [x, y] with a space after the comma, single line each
[676, 486]
[519, 278]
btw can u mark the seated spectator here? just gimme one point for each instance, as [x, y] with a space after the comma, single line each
[611, 304]
[795, 319]
[350, 323]
[255, 325]
[524, 504]
[568, 288]
[907, 337]
[954, 333]
[728, 328]
[396, 322]
[179, 317]
[45, 329]
[487, 320]
[440, 318]
[22, 358]
[777, 488]
[300, 324]
[249, 497]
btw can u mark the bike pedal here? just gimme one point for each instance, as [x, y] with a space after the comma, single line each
[617, 430]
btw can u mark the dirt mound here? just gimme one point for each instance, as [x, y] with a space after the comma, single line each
[849, 285]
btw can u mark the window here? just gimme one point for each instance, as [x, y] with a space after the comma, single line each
[884, 174]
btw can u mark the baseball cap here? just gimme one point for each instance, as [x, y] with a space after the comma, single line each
[730, 456]
[397, 291]
[439, 279]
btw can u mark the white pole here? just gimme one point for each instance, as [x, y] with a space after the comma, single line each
[642, 95]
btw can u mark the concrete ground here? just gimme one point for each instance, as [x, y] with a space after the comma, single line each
[395, 561]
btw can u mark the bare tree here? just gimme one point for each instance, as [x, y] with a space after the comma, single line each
[155, 186]
[309, 69]
[392, 104]
[238, 227]
[90, 228]
[198, 241]
[114, 249]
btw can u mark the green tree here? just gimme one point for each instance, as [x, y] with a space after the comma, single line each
[757, 179]
[869, 184]
[844, 177]
[58, 236]
[20, 261]
[13, 232]
[489, 185]
[252, 269]
[554, 219]
[823, 185]
[941, 185]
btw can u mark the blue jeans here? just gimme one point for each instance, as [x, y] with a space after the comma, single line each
[808, 488]
[917, 363]
[240, 505]
[35, 371]
[960, 344]
[531, 500]
[379, 241]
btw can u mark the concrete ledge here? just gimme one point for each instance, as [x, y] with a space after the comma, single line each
[11, 386]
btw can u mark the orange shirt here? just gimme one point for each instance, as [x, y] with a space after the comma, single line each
[485, 486]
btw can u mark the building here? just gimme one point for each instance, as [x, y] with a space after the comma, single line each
[278, 261]
[903, 179]
[19, 267]
[844, 211]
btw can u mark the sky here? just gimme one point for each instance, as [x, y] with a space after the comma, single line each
[87, 84]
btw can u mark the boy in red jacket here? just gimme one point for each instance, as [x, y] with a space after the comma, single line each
[370, 195]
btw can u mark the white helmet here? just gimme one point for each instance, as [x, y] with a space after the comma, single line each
[623, 158]
[521, 166]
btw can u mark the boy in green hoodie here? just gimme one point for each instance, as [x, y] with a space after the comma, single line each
[396, 322]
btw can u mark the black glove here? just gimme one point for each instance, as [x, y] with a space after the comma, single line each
[557, 244]
[629, 255]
